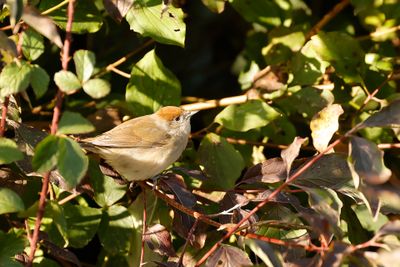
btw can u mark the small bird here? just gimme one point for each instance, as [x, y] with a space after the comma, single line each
[141, 148]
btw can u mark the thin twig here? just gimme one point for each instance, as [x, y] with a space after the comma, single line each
[379, 33]
[144, 219]
[68, 198]
[328, 17]
[54, 126]
[54, 8]
[113, 65]
[389, 146]
[120, 72]
[4, 110]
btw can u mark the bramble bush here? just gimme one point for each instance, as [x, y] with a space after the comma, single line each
[293, 159]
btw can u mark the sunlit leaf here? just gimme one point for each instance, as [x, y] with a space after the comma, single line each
[146, 18]
[324, 124]
[152, 86]
[14, 78]
[87, 18]
[10, 201]
[250, 115]
[263, 12]
[74, 123]
[368, 161]
[220, 160]
[67, 81]
[97, 88]
[9, 151]
[342, 51]
[269, 171]
[42, 25]
[85, 61]
[32, 44]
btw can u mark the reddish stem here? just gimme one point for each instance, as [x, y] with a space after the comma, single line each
[54, 125]
[4, 115]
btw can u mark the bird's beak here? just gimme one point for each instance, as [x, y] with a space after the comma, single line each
[190, 113]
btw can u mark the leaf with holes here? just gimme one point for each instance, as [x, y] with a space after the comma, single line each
[226, 255]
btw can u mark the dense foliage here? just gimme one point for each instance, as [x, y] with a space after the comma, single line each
[294, 160]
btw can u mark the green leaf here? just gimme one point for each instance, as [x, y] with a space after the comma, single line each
[46, 154]
[387, 117]
[9, 151]
[146, 18]
[343, 52]
[82, 224]
[324, 124]
[97, 88]
[67, 81]
[10, 201]
[14, 78]
[250, 115]
[116, 225]
[39, 80]
[10, 245]
[106, 190]
[262, 12]
[16, 8]
[368, 161]
[55, 223]
[85, 61]
[72, 162]
[152, 86]
[221, 162]
[32, 44]
[87, 18]
[74, 123]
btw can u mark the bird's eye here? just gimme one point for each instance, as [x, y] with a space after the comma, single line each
[177, 118]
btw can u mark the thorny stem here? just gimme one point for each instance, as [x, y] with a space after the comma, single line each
[4, 110]
[54, 126]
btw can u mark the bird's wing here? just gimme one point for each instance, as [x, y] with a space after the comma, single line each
[133, 133]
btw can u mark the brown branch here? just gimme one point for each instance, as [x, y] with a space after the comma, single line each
[54, 126]
[328, 17]
[4, 110]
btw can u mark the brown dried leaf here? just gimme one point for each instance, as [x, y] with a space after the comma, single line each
[42, 24]
[158, 239]
[290, 154]
[270, 171]
[324, 124]
[117, 8]
[228, 256]
[336, 255]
